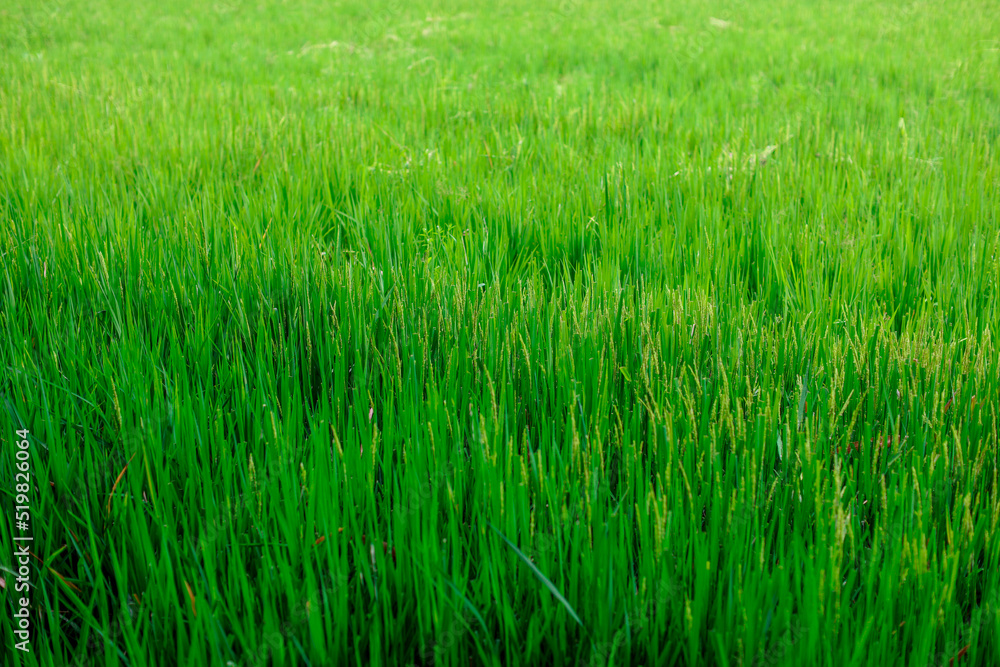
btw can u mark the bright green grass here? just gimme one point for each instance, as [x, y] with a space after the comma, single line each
[675, 325]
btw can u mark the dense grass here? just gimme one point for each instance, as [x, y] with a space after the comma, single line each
[513, 333]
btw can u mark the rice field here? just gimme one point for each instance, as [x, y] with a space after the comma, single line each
[518, 333]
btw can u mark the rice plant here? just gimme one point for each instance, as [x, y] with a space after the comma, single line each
[453, 332]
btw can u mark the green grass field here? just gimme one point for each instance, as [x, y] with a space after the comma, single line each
[527, 332]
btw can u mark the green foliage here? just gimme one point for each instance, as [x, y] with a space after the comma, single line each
[693, 305]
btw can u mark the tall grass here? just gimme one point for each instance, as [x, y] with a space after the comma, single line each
[533, 333]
